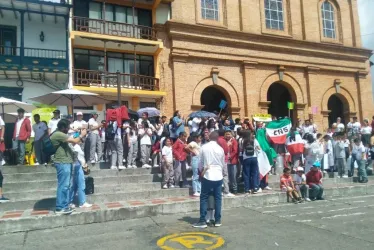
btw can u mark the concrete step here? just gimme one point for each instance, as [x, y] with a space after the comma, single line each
[50, 202]
[42, 184]
[26, 220]
[25, 194]
[50, 169]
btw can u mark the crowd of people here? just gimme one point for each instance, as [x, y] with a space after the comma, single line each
[177, 145]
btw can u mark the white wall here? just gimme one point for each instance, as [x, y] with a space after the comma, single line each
[54, 33]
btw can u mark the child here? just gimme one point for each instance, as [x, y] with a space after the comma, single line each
[194, 148]
[300, 182]
[340, 154]
[145, 133]
[210, 212]
[286, 185]
[167, 165]
[133, 145]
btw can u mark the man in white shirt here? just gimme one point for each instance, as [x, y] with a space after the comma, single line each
[79, 123]
[94, 138]
[212, 162]
[359, 155]
[195, 124]
[40, 130]
[356, 127]
[339, 125]
[52, 124]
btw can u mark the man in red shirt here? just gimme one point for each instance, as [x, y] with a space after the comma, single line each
[223, 143]
[180, 156]
[21, 135]
[313, 179]
[232, 160]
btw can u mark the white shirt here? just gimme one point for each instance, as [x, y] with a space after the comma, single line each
[213, 160]
[340, 127]
[358, 151]
[1, 121]
[52, 124]
[149, 123]
[172, 133]
[94, 123]
[195, 124]
[168, 153]
[366, 130]
[356, 127]
[299, 179]
[118, 131]
[39, 130]
[195, 147]
[256, 145]
[160, 129]
[308, 129]
[146, 139]
[79, 124]
[18, 126]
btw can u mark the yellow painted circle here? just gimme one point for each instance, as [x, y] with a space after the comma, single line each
[191, 240]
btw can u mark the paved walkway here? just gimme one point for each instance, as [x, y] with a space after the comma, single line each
[343, 223]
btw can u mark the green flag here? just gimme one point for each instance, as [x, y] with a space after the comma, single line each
[290, 105]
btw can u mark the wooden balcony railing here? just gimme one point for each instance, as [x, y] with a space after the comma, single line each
[95, 78]
[104, 27]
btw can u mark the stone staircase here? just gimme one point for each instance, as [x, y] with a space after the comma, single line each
[121, 195]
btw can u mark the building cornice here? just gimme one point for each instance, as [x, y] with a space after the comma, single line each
[200, 33]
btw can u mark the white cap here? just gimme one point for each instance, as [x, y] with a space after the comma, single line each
[79, 113]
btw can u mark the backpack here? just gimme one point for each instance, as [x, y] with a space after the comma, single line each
[48, 148]
[110, 134]
[249, 150]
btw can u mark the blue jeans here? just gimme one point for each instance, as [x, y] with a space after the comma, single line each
[20, 146]
[64, 180]
[206, 188]
[316, 191]
[196, 185]
[251, 174]
[79, 185]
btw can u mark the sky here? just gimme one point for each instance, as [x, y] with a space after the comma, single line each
[365, 11]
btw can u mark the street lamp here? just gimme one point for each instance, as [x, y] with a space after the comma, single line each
[104, 75]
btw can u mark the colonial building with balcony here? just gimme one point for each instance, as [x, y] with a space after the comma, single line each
[34, 56]
[115, 42]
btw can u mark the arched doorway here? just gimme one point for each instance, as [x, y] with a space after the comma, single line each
[338, 107]
[279, 96]
[211, 98]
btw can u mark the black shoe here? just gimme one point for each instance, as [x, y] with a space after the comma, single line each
[313, 199]
[363, 181]
[217, 224]
[200, 225]
[255, 191]
[321, 199]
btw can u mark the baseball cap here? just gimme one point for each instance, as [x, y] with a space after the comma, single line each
[56, 111]
[300, 169]
[317, 164]
[79, 113]
[93, 113]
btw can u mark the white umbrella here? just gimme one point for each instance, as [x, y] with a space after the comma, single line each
[11, 106]
[70, 97]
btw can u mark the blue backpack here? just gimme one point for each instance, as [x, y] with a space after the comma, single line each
[48, 148]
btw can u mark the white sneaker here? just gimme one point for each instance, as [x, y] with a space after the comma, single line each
[196, 194]
[134, 166]
[147, 166]
[172, 186]
[324, 171]
[72, 206]
[45, 164]
[345, 176]
[338, 177]
[129, 166]
[93, 162]
[113, 167]
[156, 166]
[121, 167]
[268, 188]
[165, 186]
[259, 190]
[86, 205]
[229, 195]
[36, 164]
[144, 166]
[307, 199]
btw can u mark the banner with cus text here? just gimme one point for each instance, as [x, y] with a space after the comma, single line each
[278, 130]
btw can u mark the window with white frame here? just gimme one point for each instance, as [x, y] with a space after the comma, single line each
[210, 10]
[328, 20]
[274, 14]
